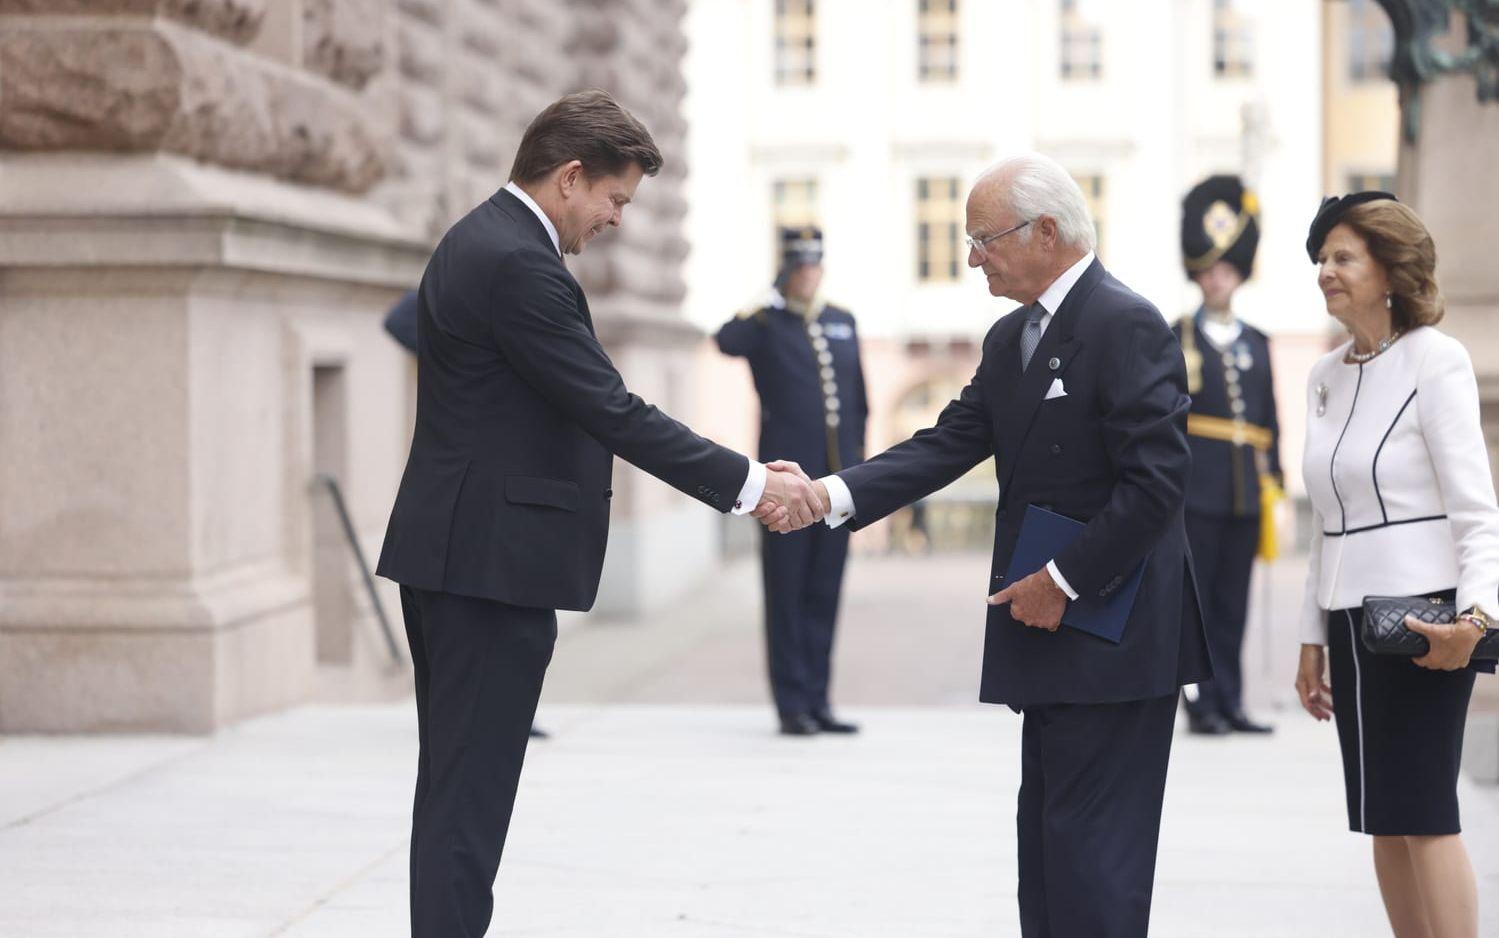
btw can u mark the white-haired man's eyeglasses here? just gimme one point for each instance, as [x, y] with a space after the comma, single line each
[978, 244]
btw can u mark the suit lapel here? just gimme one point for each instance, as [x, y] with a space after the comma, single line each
[1059, 346]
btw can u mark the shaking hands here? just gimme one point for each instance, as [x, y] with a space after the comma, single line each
[791, 500]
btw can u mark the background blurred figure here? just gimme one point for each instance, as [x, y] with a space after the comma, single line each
[400, 322]
[1235, 438]
[804, 355]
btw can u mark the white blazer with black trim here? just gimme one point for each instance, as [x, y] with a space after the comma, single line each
[1397, 471]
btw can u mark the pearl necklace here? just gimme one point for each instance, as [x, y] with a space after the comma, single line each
[1359, 358]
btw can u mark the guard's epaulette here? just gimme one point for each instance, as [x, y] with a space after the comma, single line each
[751, 311]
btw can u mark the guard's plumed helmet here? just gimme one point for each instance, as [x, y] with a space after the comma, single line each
[1220, 222]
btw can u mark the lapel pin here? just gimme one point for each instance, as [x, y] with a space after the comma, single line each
[1054, 364]
[1321, 399]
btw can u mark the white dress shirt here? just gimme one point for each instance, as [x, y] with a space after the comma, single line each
[1397, 471]
[1222, 333]
[842, 500]
[754, 481]
[530, 203]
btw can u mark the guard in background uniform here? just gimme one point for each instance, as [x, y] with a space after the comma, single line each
[804, 356]
[1234, 435]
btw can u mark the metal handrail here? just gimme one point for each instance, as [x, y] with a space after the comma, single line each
[331, 484]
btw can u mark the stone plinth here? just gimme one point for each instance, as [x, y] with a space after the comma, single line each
[160, 350]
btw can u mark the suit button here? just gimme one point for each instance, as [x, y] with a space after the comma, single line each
[1103, 594]
[1056, 449]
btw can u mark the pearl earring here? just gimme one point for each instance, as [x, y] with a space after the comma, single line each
[1388, 304]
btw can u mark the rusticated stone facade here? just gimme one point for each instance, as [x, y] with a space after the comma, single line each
[206, 206]
[178, 77]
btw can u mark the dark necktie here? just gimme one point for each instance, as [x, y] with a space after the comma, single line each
[1030, 337]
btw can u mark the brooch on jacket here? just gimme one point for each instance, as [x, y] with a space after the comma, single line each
[1321, 399]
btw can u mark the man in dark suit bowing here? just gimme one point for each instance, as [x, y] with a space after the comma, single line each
[503, 510]
[1080, 397]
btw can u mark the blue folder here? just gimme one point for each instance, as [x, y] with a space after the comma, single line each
[1043, 535]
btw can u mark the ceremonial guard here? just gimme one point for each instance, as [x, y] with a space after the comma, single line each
[1232, 428]
[804, 356]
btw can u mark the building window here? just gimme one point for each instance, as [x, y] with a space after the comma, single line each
[937, 50]
[1363, 182]
[796, 42]
[1371, 41]
[939, 229]
[1093, 192]
[1082, 43]
[793, 205]
[1233, 40]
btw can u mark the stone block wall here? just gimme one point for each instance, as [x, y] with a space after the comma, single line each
[206, 207]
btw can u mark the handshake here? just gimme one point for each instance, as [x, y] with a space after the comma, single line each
[791, 500]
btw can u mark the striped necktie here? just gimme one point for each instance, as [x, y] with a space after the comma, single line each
[1030, 337]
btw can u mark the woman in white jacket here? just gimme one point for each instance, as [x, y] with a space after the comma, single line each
[1403, 504]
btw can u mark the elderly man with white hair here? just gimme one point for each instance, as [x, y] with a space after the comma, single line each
[1081, 399]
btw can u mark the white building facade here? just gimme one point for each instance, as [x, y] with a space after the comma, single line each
[872, 119]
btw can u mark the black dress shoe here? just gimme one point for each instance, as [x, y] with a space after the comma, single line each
[827, 724]
[1240, 723]
[539, 733]
[1207, 724]
[799, 724]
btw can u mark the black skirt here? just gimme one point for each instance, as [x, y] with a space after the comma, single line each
[1400, 727]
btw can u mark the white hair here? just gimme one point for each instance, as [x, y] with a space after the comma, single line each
[1036, 185]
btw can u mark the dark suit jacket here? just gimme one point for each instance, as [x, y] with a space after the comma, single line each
[506, 491]
[1112, 453]
[789, 380]
[1225, 479]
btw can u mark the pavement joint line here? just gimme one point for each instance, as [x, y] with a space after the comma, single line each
[338, 887]
[687, 918]
[98, 790]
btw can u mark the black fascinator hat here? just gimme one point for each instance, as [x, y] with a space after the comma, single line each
[1332, 211]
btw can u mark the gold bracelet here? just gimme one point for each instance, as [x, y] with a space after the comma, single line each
[1478, 618]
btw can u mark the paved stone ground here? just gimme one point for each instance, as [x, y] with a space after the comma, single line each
[665, 806]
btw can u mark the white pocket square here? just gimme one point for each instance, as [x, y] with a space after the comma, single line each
[1056, 389]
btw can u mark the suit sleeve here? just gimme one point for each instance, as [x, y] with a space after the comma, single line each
[961, 438]
[1144, 426]
[543, 336]
[741, 336]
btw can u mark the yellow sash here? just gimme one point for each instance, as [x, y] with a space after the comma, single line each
[1260, 438]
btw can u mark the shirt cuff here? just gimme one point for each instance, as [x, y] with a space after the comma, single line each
[754, 487]
[1061, 581]
[841, 499]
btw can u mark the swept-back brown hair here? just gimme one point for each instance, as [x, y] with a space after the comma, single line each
[588, 126]
[1399, 241]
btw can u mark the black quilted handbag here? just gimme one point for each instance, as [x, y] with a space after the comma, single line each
[1384, 631]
